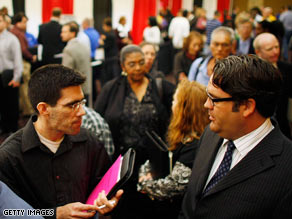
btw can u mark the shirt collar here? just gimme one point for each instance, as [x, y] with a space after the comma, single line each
[30, 138]
[245, 143]
[3, 32]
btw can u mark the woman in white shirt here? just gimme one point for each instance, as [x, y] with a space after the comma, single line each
[152, 33]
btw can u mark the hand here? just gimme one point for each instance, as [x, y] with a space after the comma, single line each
[101, 42]
[76, 210]
[109, 204]
[146, 177]
[34, 58]
[14, 83]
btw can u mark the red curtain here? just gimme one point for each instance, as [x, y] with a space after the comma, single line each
[176, 6]
[142, 10]
[164, 3]
[48, 5]
[223, 5]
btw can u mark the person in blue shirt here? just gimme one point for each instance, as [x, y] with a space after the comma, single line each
[93, 35]
[31, 40]
[9, 201]
[221, 46]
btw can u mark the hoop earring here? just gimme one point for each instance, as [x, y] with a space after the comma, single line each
[124, 73]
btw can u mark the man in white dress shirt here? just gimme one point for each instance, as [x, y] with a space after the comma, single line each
[243, 167]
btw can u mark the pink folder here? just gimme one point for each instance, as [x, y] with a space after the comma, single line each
[107, 182]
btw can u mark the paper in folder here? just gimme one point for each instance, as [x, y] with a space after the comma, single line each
[117, 175]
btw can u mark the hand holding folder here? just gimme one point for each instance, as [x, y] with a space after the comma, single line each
[117, 175]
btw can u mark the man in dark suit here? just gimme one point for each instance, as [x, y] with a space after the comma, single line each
[49, 37]
[267, 47]
[243, 168]
[244, 28]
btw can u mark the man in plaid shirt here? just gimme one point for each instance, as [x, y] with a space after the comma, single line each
[96, 124]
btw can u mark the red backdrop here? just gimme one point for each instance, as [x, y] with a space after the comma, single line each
[142, 10]
[48, 5]
[176, 6]
[223, 5]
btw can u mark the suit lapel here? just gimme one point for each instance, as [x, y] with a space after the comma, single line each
[203, 162]
[255, 162]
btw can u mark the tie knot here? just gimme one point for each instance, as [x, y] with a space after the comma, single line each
[230, 146]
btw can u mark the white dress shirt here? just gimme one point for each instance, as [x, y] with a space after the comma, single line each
[243, 146]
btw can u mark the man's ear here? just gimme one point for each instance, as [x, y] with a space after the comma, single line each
[249, 107]
[42, 107]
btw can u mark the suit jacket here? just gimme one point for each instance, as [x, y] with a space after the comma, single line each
[77, 56]
[250, 50]
[259, 186]
[282, 107]
[49, 37]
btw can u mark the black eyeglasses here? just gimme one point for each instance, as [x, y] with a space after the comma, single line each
[215, 100]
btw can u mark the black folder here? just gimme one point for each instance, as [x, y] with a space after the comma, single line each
[158, 155]
[126, 171]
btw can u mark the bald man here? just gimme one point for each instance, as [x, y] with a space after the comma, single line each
[267, 47]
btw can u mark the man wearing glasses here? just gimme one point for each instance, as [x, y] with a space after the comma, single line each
[52, 163]
[243, 168]
[221, 46]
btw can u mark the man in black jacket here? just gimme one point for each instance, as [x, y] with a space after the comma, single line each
[243, 167]
[49, 37]
[267, 47]
[52, 163]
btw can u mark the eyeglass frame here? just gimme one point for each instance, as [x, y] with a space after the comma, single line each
[216, 100]
[75, 106]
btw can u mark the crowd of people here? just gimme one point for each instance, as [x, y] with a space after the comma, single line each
[217, 91]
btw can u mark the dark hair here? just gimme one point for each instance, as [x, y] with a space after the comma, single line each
[47, 81]
[185, 13]
[56, 12]
[107, 21]
[73, 27]
[257, 10]
[217, 13]
[152, 21]
[248, 76]
[18, 17]
[126, 50]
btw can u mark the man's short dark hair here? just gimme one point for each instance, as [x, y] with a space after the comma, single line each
[18, 17]
[152, 21]
[46, 83]
[107, 21]
[56, 12]
[248, 76]
[185, 13]
[73, 27]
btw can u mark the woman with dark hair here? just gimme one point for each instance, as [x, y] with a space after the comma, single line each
[152, 33]
[183, 60]
[188, 121]
[131, 104]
